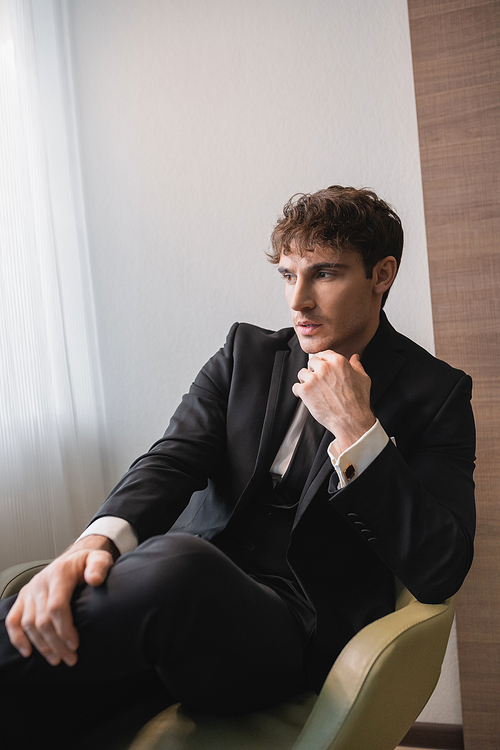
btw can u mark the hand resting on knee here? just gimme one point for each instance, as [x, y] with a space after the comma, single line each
[41, 615]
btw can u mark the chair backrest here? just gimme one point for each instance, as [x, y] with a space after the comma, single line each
[381, 680]
[403, 596]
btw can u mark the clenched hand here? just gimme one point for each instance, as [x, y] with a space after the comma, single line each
[337, 393]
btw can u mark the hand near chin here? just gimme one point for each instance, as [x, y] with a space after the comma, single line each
[337, 393]
[41, 615]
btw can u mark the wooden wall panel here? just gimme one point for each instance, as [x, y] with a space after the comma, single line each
[456, 58]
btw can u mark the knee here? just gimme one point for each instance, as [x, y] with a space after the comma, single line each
[173, 564]
[179, 547]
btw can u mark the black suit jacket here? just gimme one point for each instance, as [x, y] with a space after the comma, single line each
[410, 514]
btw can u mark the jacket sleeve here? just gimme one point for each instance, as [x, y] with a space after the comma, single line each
[415, 506]
[159, 484]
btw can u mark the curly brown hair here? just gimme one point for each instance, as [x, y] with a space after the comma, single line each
[341, 218]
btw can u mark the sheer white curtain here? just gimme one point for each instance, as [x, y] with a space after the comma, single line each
[51, 427]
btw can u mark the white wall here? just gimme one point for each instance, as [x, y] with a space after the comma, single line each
[198, 120]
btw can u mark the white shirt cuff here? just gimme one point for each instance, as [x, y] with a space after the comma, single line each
[353, 461]
[117, 529]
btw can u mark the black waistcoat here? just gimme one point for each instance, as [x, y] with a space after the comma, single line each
[258, 541]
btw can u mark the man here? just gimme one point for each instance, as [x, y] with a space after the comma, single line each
[327, 460]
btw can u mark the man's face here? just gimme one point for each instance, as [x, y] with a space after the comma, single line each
[334, 306]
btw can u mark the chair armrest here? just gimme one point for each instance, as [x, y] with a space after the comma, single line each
[381, 681]
[14, 578]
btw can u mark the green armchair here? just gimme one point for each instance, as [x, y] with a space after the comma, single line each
[373, 694]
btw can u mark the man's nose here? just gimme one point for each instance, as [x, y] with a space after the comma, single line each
[301, 297]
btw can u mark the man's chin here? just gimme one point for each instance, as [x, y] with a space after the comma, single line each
[309, 346]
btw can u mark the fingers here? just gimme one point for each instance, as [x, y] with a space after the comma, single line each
[55, 619]
[41, 615]
[97, 568]
[304, 374]
[28, 624]
[336, 391]
[48, 623]
[318, 361]
[15, 631]
[355, 363]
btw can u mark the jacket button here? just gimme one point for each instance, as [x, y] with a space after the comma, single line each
[250, 546]
[352, 515]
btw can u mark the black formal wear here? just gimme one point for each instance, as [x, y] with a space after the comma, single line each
[409, 515]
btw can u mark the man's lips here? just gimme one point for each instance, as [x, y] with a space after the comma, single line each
[307, 327]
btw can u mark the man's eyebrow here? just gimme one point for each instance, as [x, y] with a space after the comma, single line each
[317, 266]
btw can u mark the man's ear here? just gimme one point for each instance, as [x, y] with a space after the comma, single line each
[384, 274]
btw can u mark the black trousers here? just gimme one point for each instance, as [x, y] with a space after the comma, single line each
[176, 620]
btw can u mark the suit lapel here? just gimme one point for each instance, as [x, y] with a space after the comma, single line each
[382, 361]
[281, 404]
[280, 408]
